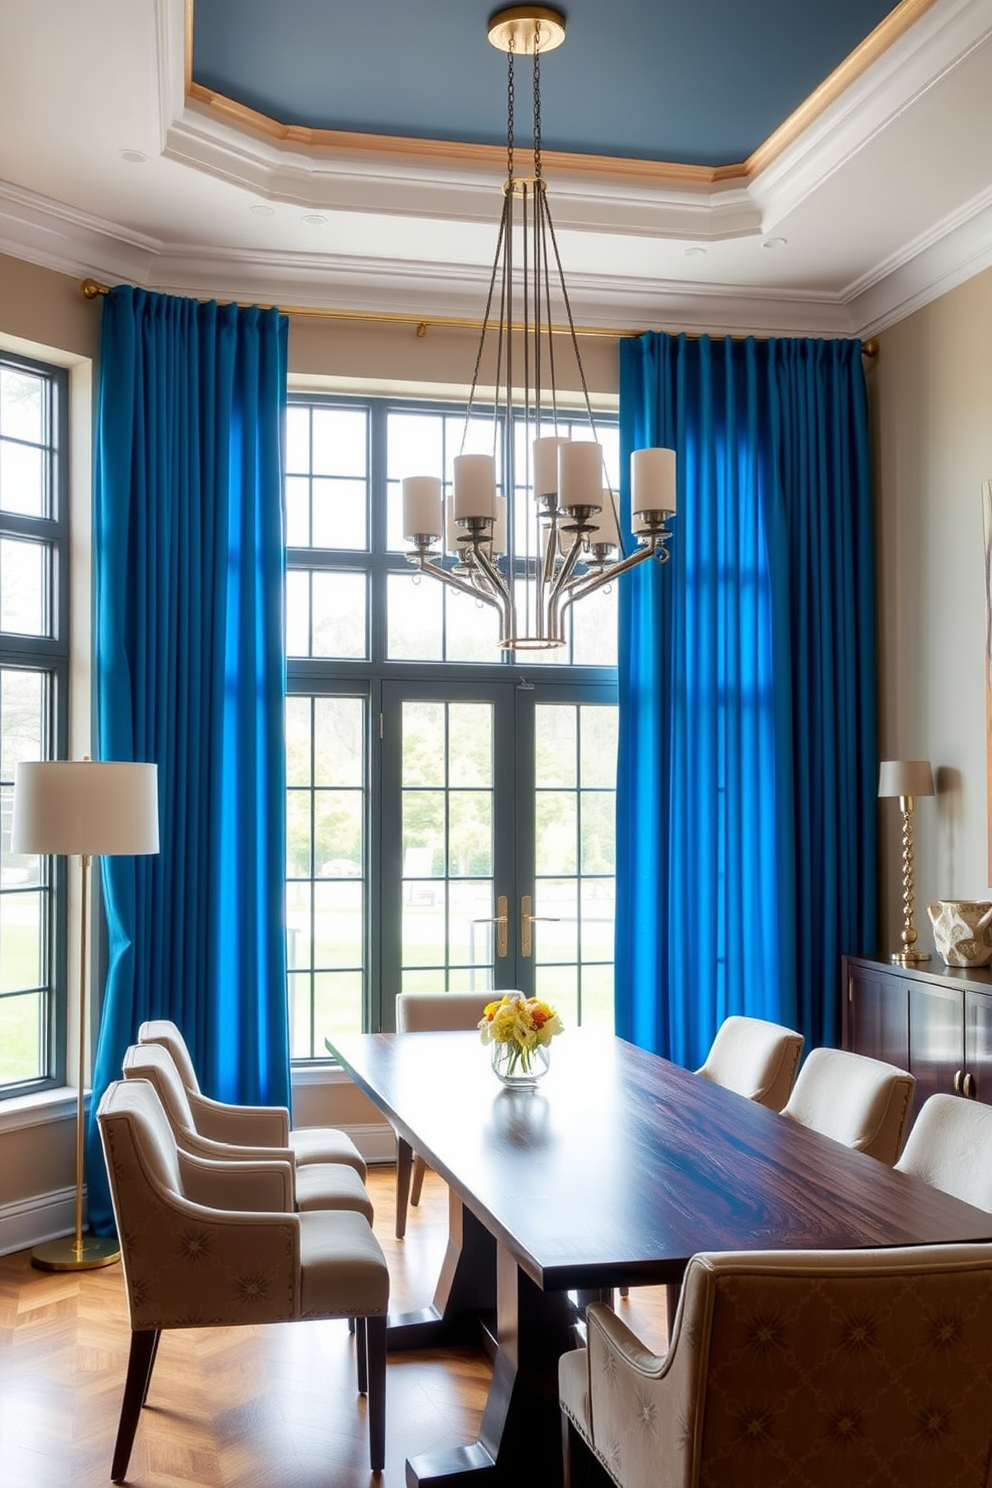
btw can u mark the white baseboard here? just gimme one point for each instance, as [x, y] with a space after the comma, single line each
[30, 1222]
[376, 1141]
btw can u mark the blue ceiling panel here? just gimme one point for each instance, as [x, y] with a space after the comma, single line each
[703, 82]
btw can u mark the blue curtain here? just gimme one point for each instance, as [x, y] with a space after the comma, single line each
[190, 674]
[746, 810]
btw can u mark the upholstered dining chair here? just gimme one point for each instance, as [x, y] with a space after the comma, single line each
[756, 1058]
[950, 1147]
[429, 1012]
[311, 1185]
[794, 1370]
[861, 1102]
[201, 1251]
[250, 1126]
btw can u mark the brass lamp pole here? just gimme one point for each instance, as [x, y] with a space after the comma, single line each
[907, 779]
[83, 808]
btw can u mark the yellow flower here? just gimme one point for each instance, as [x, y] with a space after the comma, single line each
[515, 1019]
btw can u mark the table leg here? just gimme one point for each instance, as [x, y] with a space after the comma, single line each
[465, 1295]
[520, 1437]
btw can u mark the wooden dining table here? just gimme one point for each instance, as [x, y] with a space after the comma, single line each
[616, 1170]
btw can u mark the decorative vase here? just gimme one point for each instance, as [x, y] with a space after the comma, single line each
[520, 1069]
[962, 930]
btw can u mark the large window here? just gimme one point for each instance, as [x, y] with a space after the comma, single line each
[34, 652]
[449, 805]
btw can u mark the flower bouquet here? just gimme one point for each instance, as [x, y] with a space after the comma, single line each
[520, 1030]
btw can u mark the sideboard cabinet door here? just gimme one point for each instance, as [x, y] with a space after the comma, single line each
[876, 1013]
[936, 1039]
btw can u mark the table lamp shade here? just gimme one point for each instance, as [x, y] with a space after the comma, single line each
[905, 778]
[85, 807]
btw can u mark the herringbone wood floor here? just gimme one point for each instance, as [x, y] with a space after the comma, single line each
[271, 1407]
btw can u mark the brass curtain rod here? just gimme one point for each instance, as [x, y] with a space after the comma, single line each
[92, 289]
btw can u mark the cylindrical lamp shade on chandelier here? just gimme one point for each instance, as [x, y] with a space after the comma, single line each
[570, 543]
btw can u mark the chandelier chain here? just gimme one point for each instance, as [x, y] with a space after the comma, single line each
[509, 113]
[537, 102]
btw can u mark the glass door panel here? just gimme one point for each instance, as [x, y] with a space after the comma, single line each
[447, 849]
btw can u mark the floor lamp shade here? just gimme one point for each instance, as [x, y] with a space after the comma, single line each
[83, 808]
[905, 778]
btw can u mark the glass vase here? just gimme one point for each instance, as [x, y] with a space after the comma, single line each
[520, 1069]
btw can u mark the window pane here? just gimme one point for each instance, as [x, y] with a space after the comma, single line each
[555, 728]
[22, 946]
[339, 741]
[599, 746]
[598, 832]
[297, 512]
[555, 829]
[594, 628]
[470, 744]
[23, 1038]
[23, 404]
[23, 587]
[340, 442]
[415, 618]
[339, 614]
[298, 740]
[338, 924]
[23, 473]
[339, 514]
[424, 748]
[338, 833]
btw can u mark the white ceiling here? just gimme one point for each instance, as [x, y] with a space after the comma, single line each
[881, 202]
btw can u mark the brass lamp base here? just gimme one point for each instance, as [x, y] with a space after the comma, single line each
[910, 958]
[70, 1254]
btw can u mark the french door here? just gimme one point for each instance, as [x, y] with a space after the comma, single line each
[497, 842]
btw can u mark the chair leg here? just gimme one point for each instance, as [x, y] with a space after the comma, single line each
[362, 1355]
[419, 1168]
[404, 1160]
[139, 1364]
[151, 1364]
[376, 1336]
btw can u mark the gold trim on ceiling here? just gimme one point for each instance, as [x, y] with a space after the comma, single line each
[658, 172]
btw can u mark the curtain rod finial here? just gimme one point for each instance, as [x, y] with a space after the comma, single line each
[91, 289]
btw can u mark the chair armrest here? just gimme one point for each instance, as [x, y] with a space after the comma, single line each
[613, 1336]
[641, 1405]
[265, 1187]
[243, 1126]
[227, 1152]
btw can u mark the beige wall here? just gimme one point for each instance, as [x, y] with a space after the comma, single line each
[932, 388]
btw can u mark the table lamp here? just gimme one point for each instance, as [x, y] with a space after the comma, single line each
[85, 808]
[907, 779]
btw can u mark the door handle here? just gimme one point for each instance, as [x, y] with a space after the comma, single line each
[526, 920]
[969, 1086]
[502, 921]
[957, 1082]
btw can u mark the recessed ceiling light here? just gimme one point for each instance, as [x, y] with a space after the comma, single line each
[262, 211]
[315, 219]
[774, 242]
[696, 252]
[133, 157]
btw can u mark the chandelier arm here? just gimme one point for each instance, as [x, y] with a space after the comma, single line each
[589, 583]
[426, 565]
[503, 587]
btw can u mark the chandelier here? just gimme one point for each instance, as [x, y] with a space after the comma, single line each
[532, 565]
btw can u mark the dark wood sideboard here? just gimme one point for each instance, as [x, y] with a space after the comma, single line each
[933, 1020]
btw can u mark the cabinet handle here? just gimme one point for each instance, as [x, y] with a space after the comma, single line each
[969, 1086]
[957, 1082]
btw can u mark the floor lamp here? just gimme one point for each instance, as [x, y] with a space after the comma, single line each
[83, 808]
